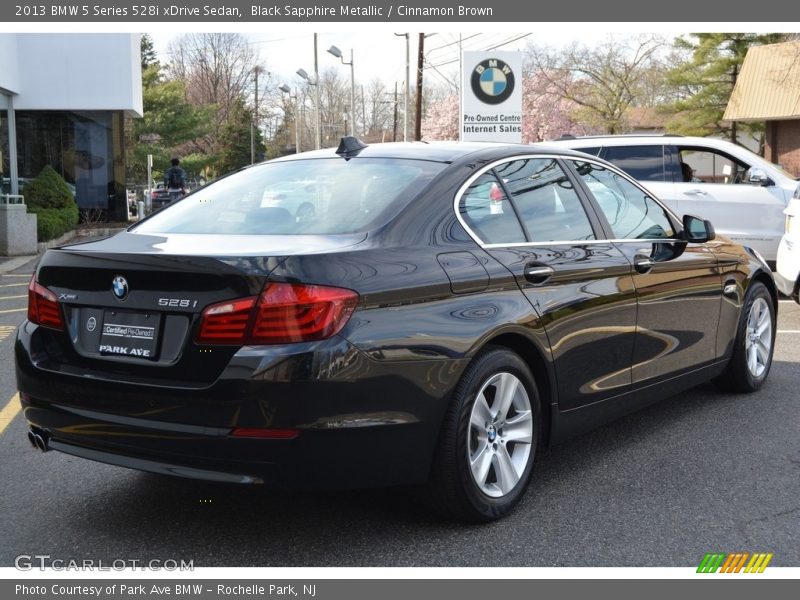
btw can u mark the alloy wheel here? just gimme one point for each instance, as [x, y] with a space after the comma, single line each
[500, 434]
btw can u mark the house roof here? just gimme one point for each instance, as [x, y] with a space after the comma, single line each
[768, 87]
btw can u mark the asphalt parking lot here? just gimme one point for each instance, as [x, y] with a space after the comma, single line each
[699, 472]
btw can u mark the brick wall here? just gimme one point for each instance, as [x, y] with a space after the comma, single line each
[783, 144]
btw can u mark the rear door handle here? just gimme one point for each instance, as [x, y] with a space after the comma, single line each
[643, 264]
[695, 193]
[538, 273]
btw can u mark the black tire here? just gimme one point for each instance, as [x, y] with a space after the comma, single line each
[739, 376]
[453, 488]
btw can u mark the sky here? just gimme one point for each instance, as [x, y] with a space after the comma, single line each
[381, 54]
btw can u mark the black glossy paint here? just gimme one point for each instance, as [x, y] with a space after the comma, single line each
[601, 339]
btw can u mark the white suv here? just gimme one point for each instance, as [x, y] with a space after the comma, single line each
[787, 276]
[743, 195]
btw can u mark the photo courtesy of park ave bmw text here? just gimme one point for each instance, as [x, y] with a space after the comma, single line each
[416, 291]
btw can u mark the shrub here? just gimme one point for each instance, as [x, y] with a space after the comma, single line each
[48, 190]
[49, 198]
[54, 222]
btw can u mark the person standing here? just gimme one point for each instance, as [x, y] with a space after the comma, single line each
[175, 180]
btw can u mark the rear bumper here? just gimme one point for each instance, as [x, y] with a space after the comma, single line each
[361, 422]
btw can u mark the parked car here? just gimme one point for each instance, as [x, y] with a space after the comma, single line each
[787, 274]
[299, 198]
[742, 194]
[447, 311]
[159, 197]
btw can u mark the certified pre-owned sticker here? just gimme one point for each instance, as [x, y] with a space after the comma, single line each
[129, 331]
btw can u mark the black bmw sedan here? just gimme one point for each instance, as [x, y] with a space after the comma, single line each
[435, 315]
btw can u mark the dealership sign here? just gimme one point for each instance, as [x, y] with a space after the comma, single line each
[491, 89]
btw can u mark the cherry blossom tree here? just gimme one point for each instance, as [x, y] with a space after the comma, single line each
[441, 120]
[546, 114]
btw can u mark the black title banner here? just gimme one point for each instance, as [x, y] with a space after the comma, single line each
[343, 11]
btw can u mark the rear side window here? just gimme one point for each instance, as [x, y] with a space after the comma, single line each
[645, 163]
[488, 213]
[312, 196]
[546, 200]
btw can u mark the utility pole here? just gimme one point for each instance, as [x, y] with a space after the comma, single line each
[420, 64]
[363, 110]
[316, 93]
[394, 126]
[254, 120]
[408, 79]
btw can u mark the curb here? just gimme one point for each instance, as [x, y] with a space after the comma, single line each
[15, 263]
[63, 239]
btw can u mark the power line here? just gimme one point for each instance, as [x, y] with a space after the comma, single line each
[505, 43]
[453, 43]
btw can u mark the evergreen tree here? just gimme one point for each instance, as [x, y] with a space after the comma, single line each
[148, 52]
[706, 80]
[234, 139]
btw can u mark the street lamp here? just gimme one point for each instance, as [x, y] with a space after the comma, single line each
[287, 90]
[338, 54]
[315, 83]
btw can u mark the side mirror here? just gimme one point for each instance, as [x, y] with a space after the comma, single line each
[697, 230]
[757, 176]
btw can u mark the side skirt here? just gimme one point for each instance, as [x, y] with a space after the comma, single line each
[569, 423]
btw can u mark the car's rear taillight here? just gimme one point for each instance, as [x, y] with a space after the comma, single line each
[283, 313]
[226, 323]
[43, 308]
[288, 312]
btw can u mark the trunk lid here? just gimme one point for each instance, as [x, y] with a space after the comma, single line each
[132, 303]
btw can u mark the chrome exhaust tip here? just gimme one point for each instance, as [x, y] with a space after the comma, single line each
[39, 438]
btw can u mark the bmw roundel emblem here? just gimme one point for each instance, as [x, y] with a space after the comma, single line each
[492, 81]
[120, 287]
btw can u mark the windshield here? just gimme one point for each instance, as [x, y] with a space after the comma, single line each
[312, 196]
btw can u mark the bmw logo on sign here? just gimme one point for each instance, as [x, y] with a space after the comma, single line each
[492, 81]
[120, 287]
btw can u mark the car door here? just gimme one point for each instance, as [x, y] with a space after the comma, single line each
[528, 214]
[678, 284]
[715, 187]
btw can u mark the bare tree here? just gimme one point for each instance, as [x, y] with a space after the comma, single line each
[378, 108]
[602, 81]
[218, 69]
[334, 96]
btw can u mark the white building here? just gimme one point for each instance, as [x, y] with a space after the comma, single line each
[63, 101]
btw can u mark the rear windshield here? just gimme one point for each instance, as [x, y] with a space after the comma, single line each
[312, 196]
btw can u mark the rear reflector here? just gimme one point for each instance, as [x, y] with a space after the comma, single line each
[265, 434]
[43, 307]
[283, 313]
